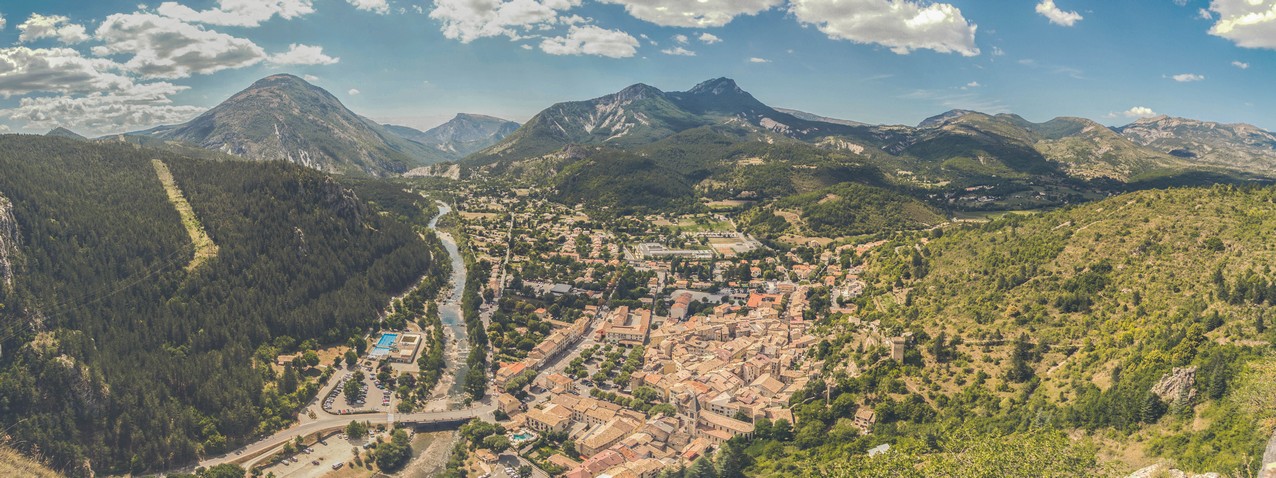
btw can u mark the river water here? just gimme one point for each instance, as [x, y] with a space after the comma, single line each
[450, 308]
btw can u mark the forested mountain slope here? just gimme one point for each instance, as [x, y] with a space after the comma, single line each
[115, 358]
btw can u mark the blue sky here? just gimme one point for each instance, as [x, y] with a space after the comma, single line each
[106, 66]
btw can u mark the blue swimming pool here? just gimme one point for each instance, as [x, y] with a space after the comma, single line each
[383, 345]
[387, 340]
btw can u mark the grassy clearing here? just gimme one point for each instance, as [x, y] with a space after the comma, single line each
[205, 249]
[13, 463]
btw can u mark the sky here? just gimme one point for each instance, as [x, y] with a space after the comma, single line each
[103, 66]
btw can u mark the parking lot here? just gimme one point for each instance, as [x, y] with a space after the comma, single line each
[376, 397]
[319, 460]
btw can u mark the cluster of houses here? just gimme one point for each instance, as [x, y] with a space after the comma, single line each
[721, 372]
[558, 342]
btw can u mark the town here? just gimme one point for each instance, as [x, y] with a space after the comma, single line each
[626, 346]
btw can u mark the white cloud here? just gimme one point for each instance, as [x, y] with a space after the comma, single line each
[1056, 69]
[709, 38]
[901, 25]
[1187, 77]
[1204, 14]
[1056, 15]
[469, 20]
[238, 13]
[759, 60]
[973, 84]
[1248, 23]
[303, 55]
[88, 93]
[681, 39]
[2, 22]
[678, 51]
[698, 13]
[1139, 112]
[54, 26]
[948, 98]
[375, 6]
[60, 70]
[164, 47]
[353, 92]
[141, 107]
[1240, 64]
[592, 40]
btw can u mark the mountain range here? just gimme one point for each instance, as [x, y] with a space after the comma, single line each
[461, 136]
[283, 117]
[716, 141]
[641, 115]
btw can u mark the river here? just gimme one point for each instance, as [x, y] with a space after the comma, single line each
[450, 308]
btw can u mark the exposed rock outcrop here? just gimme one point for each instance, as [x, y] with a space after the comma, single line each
[1161, 469]
[1176, 387]
[9, 242]
[1269, 460]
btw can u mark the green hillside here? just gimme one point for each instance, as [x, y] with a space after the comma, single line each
[622, 183]
[153, 365]
[847, 209]
[1066, 321]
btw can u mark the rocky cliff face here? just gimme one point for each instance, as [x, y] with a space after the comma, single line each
[1269, 460]
[1176, 386]
[1207, 142]
[9, 237]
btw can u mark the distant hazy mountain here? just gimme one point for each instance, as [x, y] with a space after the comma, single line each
[65, 133]
[939, 120]
[1205, 142]
[283, 117]
[814, 117]
[462, 136]
[1075, 147]
[717, 141]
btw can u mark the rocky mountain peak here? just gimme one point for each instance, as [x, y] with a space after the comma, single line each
[944, 118]
[637, 92]
[717, 87]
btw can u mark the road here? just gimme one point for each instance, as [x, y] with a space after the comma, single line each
[263, 447]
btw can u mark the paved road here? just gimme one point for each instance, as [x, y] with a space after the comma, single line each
[265, 446]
